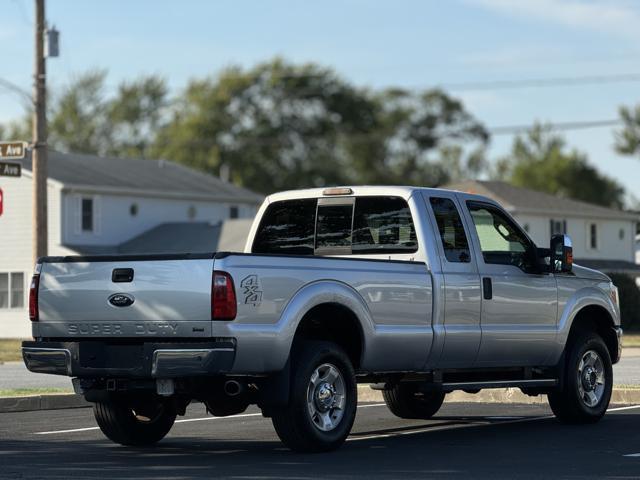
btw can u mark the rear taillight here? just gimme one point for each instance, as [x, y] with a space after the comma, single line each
[223, 297]
[33, 298]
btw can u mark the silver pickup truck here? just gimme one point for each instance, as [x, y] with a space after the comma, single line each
[417, 292]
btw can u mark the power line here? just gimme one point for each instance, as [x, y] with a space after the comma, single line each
[367, 136]
[543, 82]
[559, 126]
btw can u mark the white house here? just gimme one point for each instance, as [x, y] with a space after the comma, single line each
[638, 249]
[111, 205]
[603, 238]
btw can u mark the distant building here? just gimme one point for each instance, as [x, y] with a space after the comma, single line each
[102, 205]
[603, 238]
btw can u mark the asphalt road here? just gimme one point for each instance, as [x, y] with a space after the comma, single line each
[462, 441]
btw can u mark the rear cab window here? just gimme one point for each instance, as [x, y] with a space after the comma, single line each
[337, 226]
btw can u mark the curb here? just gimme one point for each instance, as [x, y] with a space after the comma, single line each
[42, 402]
[620, 396]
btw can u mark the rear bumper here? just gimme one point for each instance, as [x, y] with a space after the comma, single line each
[94, 359]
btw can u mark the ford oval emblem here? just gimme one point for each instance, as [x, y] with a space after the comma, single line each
[121, 300]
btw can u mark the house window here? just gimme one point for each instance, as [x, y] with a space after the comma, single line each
[133, 209]
[621, 234]
[593, 236]
[558, 227]
[233, 211]
[87, 214]
[11, 290]
[17, 290]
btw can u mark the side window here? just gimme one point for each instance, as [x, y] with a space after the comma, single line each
[383, 225]
[501, 241]
[452, 235]
[287, 227]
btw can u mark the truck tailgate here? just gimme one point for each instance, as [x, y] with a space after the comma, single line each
[167, 297]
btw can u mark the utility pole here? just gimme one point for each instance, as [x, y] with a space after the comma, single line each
[39, 154]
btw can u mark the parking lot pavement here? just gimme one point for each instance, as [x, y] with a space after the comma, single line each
[15, 375]
[462, 441]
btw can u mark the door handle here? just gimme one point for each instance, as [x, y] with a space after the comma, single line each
[122, 275]
[487, 288]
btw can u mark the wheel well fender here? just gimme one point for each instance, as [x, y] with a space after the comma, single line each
[590, 310]
[329, 310]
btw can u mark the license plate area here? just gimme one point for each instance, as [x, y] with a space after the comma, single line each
[102, 355]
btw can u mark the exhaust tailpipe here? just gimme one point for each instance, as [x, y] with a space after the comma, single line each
[233, 388]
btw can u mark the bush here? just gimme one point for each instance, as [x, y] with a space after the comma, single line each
[629, 300]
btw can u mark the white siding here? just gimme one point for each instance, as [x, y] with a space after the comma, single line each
[610, 245]
[16, 244]
[114, 224]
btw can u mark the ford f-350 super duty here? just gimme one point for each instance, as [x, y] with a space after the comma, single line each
[418, 292]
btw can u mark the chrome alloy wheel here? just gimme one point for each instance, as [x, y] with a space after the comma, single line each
[591, 378]
[326, 397]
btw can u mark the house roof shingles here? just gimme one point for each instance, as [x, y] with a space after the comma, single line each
[524, 200]
[158, 177]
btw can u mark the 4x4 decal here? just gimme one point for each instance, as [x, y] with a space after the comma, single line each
[251, 290]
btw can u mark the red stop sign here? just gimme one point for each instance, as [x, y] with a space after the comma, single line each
[1, 201]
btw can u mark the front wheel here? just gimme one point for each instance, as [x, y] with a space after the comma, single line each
[588, 384]
[139, 422]
[323, 399]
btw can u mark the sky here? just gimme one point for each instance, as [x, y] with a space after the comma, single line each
[372, 43]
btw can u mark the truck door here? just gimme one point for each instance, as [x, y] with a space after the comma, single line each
[519, 302]
[462, 291]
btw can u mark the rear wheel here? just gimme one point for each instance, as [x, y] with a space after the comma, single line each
[139, 422]
[323, 399]
[588, 381]
[405, 400]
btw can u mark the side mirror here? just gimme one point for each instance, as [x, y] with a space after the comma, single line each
[561, 253]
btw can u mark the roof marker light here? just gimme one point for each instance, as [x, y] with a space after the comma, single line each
[337, 191]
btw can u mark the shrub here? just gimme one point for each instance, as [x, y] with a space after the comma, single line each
[629, 300]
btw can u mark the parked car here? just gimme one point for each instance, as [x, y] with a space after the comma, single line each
[418, 292]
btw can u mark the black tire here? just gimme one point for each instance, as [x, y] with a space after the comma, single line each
[405, 400]
[296, 425]
[576, 403]
[127, 425]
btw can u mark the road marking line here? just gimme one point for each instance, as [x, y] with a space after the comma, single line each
[632, 455]
[386, 435]
[73, 430]
[185, 420]
[619, 409]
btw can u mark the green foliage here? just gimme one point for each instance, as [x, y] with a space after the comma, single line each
[629, 300]
[279, 126]
[541, 161]
[84, 120]
[275, 126]
[628, 139]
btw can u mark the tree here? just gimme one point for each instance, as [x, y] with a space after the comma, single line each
[279, 126]
[83, 119]
[628, 139]
[541, 161]
[275, 126]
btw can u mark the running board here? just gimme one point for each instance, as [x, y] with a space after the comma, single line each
[543, 382]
